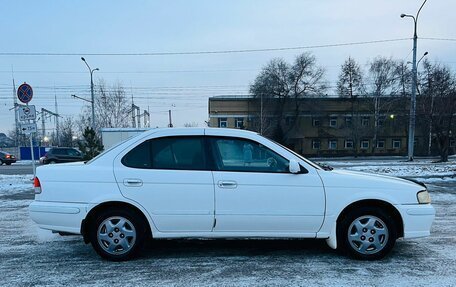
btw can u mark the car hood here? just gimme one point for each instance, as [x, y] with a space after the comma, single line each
[356, 179]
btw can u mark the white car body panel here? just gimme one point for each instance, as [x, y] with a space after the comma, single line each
[189, 203]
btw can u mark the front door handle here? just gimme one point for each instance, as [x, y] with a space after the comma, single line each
[132, 182]
[227, 184]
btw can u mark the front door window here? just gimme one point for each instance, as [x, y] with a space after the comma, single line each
[234, 154]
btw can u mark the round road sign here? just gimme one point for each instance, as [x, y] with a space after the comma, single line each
[25, 93]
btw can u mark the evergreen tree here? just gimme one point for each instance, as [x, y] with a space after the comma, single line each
[90, 145]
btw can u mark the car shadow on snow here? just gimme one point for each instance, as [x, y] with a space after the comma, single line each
[163, 248]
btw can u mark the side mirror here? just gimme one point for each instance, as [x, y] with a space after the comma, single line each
[294, 167]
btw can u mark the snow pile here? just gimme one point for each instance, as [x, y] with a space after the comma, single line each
[10, 184]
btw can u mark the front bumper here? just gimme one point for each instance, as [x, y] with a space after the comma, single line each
[58, 216]
[417, 219]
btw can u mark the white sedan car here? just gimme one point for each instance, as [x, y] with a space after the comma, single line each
[223, 183]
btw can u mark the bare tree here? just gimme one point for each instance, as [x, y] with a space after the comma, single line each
[112, 108]
[382, 77]
[383, 84]
[351, 80]
[67, 132]
[403, 79]
[280, 84]
[439, 105]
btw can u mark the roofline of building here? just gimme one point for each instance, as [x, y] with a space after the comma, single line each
[325, 97]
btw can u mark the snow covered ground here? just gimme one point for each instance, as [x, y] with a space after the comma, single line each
[33, 257]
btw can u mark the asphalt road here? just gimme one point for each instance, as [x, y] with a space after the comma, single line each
[16, 169]
[33, 257]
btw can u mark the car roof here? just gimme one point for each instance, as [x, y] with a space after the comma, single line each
[203, 131]
[62, 147]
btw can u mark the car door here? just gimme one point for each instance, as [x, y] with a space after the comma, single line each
[256, 193]
[60, 155]
[169, 178]
[73, 155]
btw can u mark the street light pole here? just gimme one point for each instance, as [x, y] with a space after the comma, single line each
[91, 91]
[412, 123]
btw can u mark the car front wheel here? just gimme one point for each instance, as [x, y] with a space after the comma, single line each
[367, 233]
[118, 234]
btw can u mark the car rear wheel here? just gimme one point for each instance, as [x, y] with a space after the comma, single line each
[8, 163]
[118, 234]
[368, 233]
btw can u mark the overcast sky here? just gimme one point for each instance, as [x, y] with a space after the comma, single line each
[186, 81]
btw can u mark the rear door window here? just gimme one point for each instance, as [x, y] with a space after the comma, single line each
[180, 153]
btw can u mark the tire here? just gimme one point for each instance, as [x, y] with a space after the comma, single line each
[118, 234]
[367, 233]
[8, 163]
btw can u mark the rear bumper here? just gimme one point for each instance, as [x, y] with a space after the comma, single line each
[417, 218]
[58, 216]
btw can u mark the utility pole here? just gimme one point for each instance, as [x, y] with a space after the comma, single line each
[16, 121]
[43, 119]
[261, 114]
[56, 118]
[170, 125]
[146, 119]
[138, 117]
[135, 115]
[412, 123]
[43, 125]
[91, 91]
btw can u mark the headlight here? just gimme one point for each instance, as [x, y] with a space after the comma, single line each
[423, 197]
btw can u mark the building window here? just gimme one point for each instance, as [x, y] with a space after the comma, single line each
[380, 144]
[239, 123]
[396, 143]
[332, 144]
[365, 121]
[364, 144]
[348, 144]
[222, 122]
[348, 121]
[315, 122]
[315, 144]
[333, 122]
[381, 121]
[452, 143]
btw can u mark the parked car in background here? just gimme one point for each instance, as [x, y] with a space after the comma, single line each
[7, 158]
[61, 155]
[224, 183]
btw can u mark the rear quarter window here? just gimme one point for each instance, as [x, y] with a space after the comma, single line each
[138, 157]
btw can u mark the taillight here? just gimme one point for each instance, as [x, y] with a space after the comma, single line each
[37, 185]
[8, 156]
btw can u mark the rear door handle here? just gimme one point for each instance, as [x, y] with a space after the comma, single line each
[227, 184]
[132, 182]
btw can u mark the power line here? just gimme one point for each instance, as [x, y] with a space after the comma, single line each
[438, 39]
[135, 72]
[204, 52]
